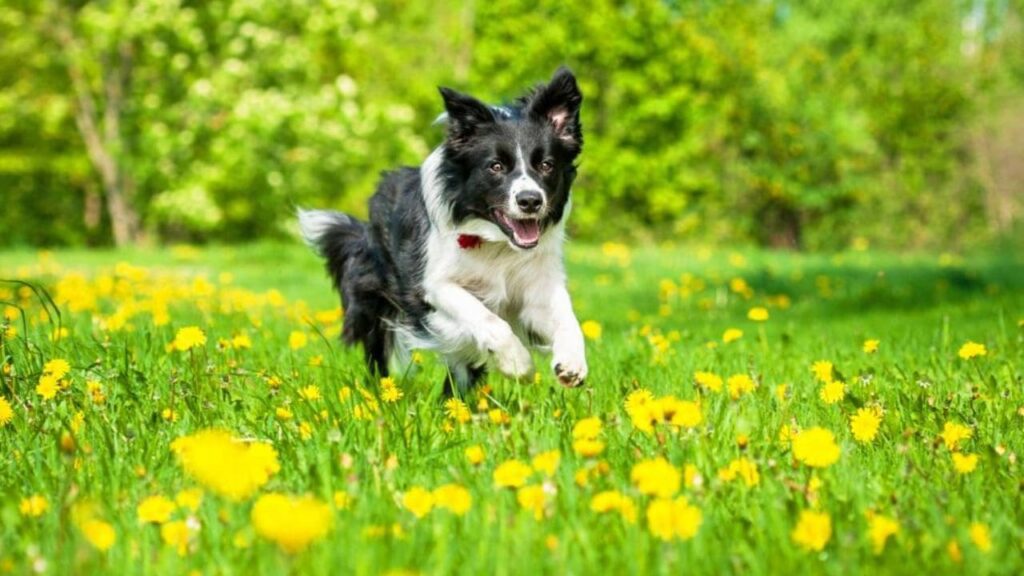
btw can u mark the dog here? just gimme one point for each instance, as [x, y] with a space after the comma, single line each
[463, 255]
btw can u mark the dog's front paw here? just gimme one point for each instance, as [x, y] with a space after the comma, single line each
[571, 371]
[513, 358]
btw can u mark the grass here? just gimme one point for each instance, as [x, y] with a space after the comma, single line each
[662, 313]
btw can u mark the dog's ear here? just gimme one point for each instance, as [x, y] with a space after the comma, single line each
[558, 103]
[466, 115]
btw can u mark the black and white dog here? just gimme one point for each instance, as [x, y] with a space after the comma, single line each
[463, 255]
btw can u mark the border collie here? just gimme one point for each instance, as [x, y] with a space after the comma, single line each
[463, 255]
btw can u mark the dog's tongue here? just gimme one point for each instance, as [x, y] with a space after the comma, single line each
[526, 231]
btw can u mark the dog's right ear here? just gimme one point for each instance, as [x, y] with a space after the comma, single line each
[466, 115]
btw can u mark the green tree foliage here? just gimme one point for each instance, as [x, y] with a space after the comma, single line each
[804, 123]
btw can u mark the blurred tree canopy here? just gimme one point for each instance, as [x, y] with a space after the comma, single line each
[790, 123]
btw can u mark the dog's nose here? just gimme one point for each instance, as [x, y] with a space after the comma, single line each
[529, 201]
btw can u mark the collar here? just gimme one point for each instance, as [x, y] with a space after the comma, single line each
[470, 241]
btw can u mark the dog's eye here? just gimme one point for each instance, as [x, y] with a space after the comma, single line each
[546, 167]
[496, 167]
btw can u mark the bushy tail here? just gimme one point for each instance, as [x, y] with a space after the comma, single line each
[338, 238]
[344, 242]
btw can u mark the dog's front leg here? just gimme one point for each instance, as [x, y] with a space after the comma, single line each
[463, 314]
[555, 321]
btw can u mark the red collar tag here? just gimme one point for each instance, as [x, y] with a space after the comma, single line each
[469, 241]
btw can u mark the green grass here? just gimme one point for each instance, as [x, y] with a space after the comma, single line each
[922, 309]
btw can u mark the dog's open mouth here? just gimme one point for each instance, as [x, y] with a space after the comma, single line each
[525, 231]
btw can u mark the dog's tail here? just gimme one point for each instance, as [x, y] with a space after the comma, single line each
[338, 238]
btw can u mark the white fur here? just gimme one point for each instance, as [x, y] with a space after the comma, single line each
[487, 297]
[313, 224]
[521, 184]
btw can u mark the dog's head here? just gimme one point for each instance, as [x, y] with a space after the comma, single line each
[512, 166]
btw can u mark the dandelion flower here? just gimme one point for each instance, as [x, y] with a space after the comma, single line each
[964, 463]
[457, 410]
[591, 330]
[297, 340]
[188, 338]
[880, 529]
[972, 350]
[822, 370]
[656, 477]
[864, 424]
[546, 462]
[953, 433]
[980, 536]
[511, 474]
[99, 534]
[731, 335]
[742, 468]
[816, 447]
[870, 346]
[708, 380]
[452, 497]
[668, 519]
[47, 387]
[310, 393]
[588, 428]
[6, 412]
[813, 530]
[225, 465]
[155, 509]
[418, 501]
[758, 314]
[740, 384]
[614, 501]
[832, 392]
[34, 506]
[342, 500]
[293, 523]
[389, 391]
[475, 454]
[176, 535]
[534, 499]
[189, 499]
[58, 368]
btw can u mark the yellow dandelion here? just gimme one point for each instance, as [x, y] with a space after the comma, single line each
[822, 370]
[389, 391]
[533, 499]
[547, 462]
[475, 454]
[981, 537]
[972, 350]
[293, 523]
[656, 477]
[342, 500]
[743, 469]
[758, 314]
[668, 519]
[189, 499]
[418, 501]
[870, 346]
[813, 530]
[34, 506]
[953, 433]
[587, 428]
[6, 412]
[225, 465]
[964, 463]
[156, 509]
[708, 380]
[188, 338]
[457, 410]
[614, 501]
[832, 392]
[58, 368]
[880, 529]
[47, 387]
[864, 424]
[816, 447]
[176, 535]
[452, 497]
[511, 474]
[99, 534]
[297, 340]
[740, 384]
[283, 414]
[731, 335]
[591, 330]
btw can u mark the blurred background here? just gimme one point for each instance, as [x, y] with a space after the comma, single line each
[816, 125]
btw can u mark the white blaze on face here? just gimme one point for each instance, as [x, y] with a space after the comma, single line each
[521, 184]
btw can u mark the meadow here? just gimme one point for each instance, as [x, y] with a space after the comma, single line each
[191, 411]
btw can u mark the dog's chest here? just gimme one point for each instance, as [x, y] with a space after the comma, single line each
[497, 276]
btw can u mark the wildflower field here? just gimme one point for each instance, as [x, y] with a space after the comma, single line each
[192, 411]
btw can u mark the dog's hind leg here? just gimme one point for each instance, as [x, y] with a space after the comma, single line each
[462, 377]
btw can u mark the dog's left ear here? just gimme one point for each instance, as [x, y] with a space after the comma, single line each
[558, 103]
